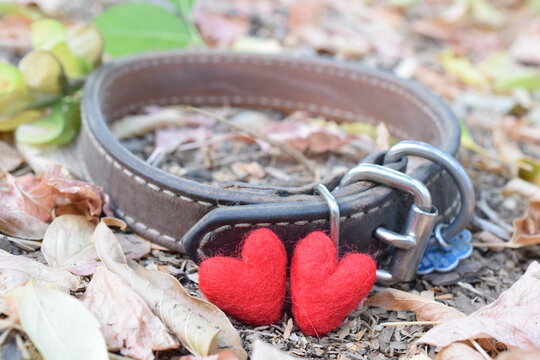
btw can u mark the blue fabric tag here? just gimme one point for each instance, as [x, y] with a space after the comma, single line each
[436, 258]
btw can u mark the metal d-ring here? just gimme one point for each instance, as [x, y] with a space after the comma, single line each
[334, 214]
[443, 232]
[412, 240]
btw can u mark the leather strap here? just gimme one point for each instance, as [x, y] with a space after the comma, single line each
[203, 219]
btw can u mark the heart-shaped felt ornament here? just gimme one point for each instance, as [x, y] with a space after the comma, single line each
[324, 291]
[251, 288]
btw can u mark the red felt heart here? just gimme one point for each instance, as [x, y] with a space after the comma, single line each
[323, 291]
[252, 289]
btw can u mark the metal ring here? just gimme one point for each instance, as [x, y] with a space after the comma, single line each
[453, 167]
[392, 178]
[334, 214]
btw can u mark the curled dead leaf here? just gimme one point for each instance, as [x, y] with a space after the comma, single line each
[61, 279]
[200, 326]
[424, 308]
[10, 159]
[512, 319]
[58, 195]
[459, 351]
[127, 322]
[68, 244]
[527, 228]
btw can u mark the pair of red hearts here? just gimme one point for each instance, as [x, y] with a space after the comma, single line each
[253, 288]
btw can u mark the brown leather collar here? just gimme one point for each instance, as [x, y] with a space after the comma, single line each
[202, 219]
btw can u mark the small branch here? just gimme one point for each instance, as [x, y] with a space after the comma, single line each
[507, 245]
[409, 323]
[480, 349]
[285, 148]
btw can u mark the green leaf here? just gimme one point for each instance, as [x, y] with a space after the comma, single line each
[86, 43]
[10, 122]
[529, 170]
[184, 6]
[43, 74]
[58, 128]
[525, 79]
[73, 66]
[136, 27]
[47, 33]
[463, 69]
[13, 91]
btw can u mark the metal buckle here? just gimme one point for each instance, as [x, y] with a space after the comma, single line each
[444, 232]
[418, 231]
[422, 217]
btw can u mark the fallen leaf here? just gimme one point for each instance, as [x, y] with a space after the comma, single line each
[520, 130]
[517, 354]
[420, 357]
[264, 351]
[523, 188]
[141, 124]
[18, 223]
[61, 279]
[200, 326]
[58, 195]
[223, 355]
[221, 30]
[527, 228]
[525, 49]
[308, 136]
[10, 159]
[462, 69]
[68, 245]
[459, 351]
[512, 319]
[127, 322]
[10, 279]
[424, 308]
[58, 324]
[134, 246]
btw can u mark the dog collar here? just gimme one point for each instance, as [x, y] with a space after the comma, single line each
[202, 219]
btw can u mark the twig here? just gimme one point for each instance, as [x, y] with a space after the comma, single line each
[409, 323]
[481, 350]
[507, 245]
[486, 225]
[492, 215]
[285, 148]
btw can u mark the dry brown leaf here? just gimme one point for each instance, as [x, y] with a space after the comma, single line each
[424, 308]
[61, 279]
[264, 351]
[127, 322]
[10, 158]
[512, 319]
[459, 351]
[527, 228]
[134, 246]
[13, 220]
[58, 195]
[224, 355]
[68, 245]
[309, 136]
[200, 326]
[522, 188]
[516, 354]
[221, 30]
